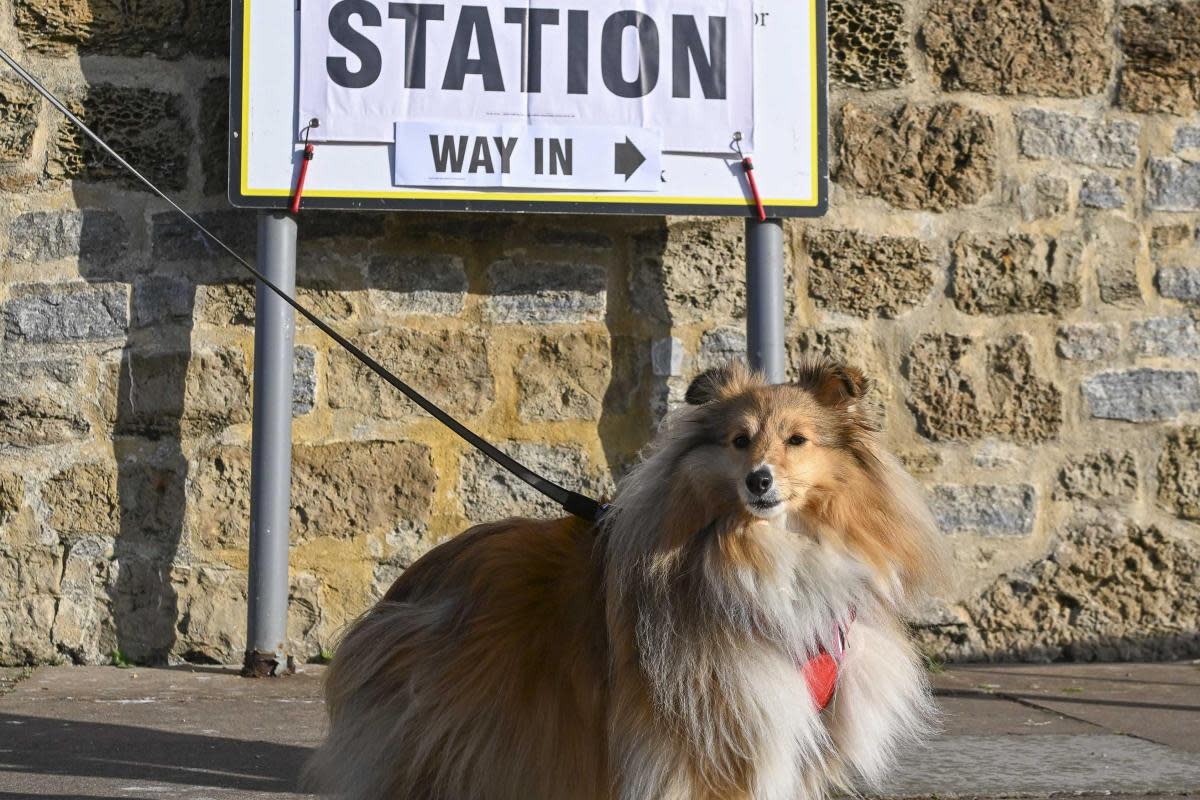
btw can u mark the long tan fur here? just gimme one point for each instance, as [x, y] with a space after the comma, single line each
[657, 656]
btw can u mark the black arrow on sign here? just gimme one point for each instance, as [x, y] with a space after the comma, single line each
[626, 158]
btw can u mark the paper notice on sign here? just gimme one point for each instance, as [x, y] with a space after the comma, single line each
[682, 67]
[459, 154]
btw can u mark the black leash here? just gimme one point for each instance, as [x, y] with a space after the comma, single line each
[572, 502]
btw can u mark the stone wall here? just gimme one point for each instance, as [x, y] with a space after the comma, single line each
[1011, 254]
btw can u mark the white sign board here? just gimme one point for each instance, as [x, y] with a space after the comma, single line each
[627, 106]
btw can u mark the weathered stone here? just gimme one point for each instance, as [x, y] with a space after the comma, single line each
[918, 156]
[1096, 142]
[328, 304]
[83, 499]
[487, 492]
[1106, 475]
[432, 285]
[666, 356]
[563, 376]
[689, 271]
[1045, 197]
[985, 509]
[1108, 591]
[19, 108]
[233, 304]
[1117, 281]
[1019, 47]
[83, 628]
[218, 498]
[1116, 245]
[1179, 473]
[340, 489]
[866, 275]
[349, 489]
[147, 127]
[96, 238]
[1179, 283]
[1161, 47]
[571, 232]
[958, 396]
[1088, 341]
[920, 462]
[168, 392]
[212, 615]
[151, 478]
[12, 496]
[944, 394]
[304, 380]
[225, 304]
[1172, 184]
[162, 300]
[1166, 337]
[1187, 140]
[544, 292]
[25, 621]
[1014, 274]
[1101, 191]
[165, 28]
[39, 420]
[213, 124]
[335, 227]
[308, 608]
[65, 312]
[38, 403]
[175, 239]
[451, 367]
[1171, 236]
[994, 454]
[868, 43]
[843, 345]
[1024, 407]
[144, 605]
[1142, 395]
[719, 346]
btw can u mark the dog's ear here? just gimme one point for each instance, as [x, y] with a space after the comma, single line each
[719, 383]
[835, 385]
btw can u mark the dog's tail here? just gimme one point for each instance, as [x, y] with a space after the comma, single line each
[368, 752]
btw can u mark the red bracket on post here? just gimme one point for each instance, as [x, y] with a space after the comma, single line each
[309, 151]
[308, 156]
[748, 166]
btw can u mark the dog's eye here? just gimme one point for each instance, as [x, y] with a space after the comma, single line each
[741, 442]
[796, 440]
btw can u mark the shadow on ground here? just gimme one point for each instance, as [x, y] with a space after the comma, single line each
[71, 749]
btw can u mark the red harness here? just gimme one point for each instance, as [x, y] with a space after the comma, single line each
[821, 670]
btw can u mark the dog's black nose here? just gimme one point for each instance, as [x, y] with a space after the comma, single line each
[759, 481]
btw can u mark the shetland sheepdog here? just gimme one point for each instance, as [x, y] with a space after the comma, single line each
[731, 628]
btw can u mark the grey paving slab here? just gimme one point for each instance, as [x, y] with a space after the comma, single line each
[102, 733]
[186, 734]
[1007, 766]
[972, 711]
[1157, 702]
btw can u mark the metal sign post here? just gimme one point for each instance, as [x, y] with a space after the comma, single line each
[271, 453]
[765, 298]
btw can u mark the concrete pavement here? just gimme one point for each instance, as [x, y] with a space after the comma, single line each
[202, 733]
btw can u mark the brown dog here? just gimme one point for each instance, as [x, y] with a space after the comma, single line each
[685, 647]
